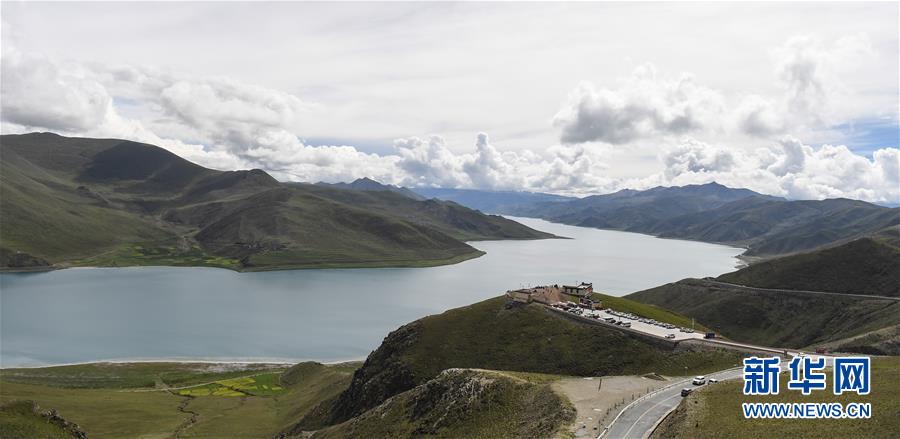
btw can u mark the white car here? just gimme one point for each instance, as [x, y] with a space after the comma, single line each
[712, 381]
[699, 380]
[670, 335]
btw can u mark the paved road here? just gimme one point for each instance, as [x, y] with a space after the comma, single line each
[781, 290]
[638, 420]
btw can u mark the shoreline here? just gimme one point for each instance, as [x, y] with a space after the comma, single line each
[323, 266]
[742, 259]
[238, 361]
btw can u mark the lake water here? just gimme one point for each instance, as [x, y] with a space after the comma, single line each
[90, 314]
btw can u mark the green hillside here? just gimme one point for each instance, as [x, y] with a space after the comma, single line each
[159, 400]
[463, 403]
[781, 319]
[715, 411]
[107, 202]
[866, 266]
[771, 227]
[863, 266]
[498, 335]
[25, 420]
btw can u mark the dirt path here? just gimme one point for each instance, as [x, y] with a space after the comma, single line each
[182, 406]
[596, 407]
[188, 423]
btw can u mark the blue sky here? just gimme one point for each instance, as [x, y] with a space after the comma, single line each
[865, 136]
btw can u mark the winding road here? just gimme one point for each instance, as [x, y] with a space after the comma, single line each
[639, 419]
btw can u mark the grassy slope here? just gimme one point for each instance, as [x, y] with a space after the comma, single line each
[773, 319]
[126, 375]
[491, 335]
[107, 400]
[307, 384]
[532, 339]
[63, 224]
[864, 266]
[880, 341]
[771, 227]
[72, 201]
[23, 420]
[463, 403]
[715, 412]
[106, 412]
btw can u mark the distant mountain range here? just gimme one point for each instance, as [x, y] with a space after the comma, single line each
[369, 185]
[113, 202]
[107, 202]
[503, 202]
[767, 226]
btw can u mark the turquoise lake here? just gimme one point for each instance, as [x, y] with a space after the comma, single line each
[142, 313]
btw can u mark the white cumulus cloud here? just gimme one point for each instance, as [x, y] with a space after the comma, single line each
[645, 104]
[787, 168]
[693, 156]
[812, 92]
[37, 93]
[227, 124]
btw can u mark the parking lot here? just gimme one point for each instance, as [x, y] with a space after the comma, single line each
[666, 331]
[631, 321]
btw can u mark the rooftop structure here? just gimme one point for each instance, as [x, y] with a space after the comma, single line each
[583, 289]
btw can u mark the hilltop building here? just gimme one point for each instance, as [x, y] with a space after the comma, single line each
[583, 289]
[554, 294]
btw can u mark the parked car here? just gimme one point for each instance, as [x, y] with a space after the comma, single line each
[699, 380]
[686, 391]
[709, 335]
[670, 335]
[712, 381]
